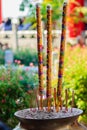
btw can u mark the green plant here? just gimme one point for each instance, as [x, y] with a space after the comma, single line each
[29, 79]
[56, 7]
[26, 56]
[81, 10]
[1, 57]
[75, 76]
[13, 94]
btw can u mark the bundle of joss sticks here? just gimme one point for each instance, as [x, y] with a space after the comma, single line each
[57, 91]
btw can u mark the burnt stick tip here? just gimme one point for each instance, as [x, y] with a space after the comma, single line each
[49, 7]
[37, 5]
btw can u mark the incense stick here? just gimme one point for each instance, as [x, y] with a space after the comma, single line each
[72, 105]
[55, 98]
[66, 99]
[61, 57]
[40, 49]
[49, 55]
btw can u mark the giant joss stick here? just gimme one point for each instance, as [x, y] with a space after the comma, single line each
[49, 55]
[55, 97]
[61, 57]
[40, 49]
[72, 104]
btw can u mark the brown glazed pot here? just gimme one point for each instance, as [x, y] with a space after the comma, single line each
[45, 124]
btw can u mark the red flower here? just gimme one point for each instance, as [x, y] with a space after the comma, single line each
[21, 78]
[18, 61]
[15, 61]
[3, 101]
[31, 64]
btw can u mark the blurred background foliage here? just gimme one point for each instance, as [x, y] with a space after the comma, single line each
[16, 90]
[79, 13]
[31, 16]
[25, 56]
[75, 77]
[82, 10]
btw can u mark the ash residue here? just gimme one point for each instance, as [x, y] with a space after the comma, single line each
[34, 113]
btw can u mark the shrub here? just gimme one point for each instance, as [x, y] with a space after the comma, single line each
[26, 56]
[29, 79]
[1, 57]
[75, 76]
[13, 94]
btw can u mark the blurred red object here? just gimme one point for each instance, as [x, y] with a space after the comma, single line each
[74, 28]
[31, 64]
[0, 11]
